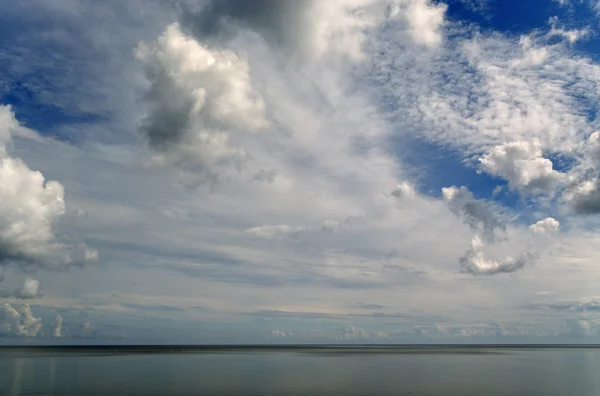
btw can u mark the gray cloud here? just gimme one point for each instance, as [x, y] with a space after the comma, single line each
[584, 198]
[584, 305]
[475, 263]
[265, 175]
[283, 22]
[306, 27]
[476, 214]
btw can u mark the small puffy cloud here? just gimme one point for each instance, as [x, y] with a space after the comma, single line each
[197, 96]
[403, 190]
[29, 290]
[29, 207]
[475, 263]
[523, 166]
[545, 226]
[475, 213]
[426, 20]
[58, 322]
[276, 231]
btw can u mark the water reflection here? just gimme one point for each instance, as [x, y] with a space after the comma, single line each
[515, 372]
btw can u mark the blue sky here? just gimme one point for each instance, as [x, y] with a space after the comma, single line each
[299, 171]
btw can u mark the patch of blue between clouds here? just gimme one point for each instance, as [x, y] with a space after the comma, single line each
[40, 74]
[519, 17]
[434, 167]
[44, 118]
[516, 17]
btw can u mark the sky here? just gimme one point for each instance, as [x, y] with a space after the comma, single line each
[290, 171]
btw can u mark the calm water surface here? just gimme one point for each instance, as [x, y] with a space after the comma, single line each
[349, 371]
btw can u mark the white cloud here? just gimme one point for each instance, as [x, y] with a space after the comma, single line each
[426, 20]
[276, 231]
[30, 326]
[571, 36]
[523, 166]
[485, 91]
[29, 290]
[22, 324]
[545, 226]
[57, 331]
[475, 263]
[197, 97]
[29, 207]
[403, 190]
[8, 124]
[325, 158]
[475, 213]
[593, 148]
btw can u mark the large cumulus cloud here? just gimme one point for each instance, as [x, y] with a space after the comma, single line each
[523, 166]
[30, 206]
[197, 97]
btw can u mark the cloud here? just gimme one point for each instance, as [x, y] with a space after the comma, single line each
[590, 304]
[197, 97]
[30, 325]
[545, 226]
[22, 324]
[584, 198]
[403, 190]
[582, 328]
[29, 207]
[58, 322]
[8, 124]
[343, 334]
[425, 19]
[276, 231]
[308, 27]
[475, 263]
[265, 175]
[476, 214]
[29, 290]
[571, 36]
[330, 225]
[593, 148]
[523, 166]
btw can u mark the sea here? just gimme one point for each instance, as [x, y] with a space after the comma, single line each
[301, 370]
